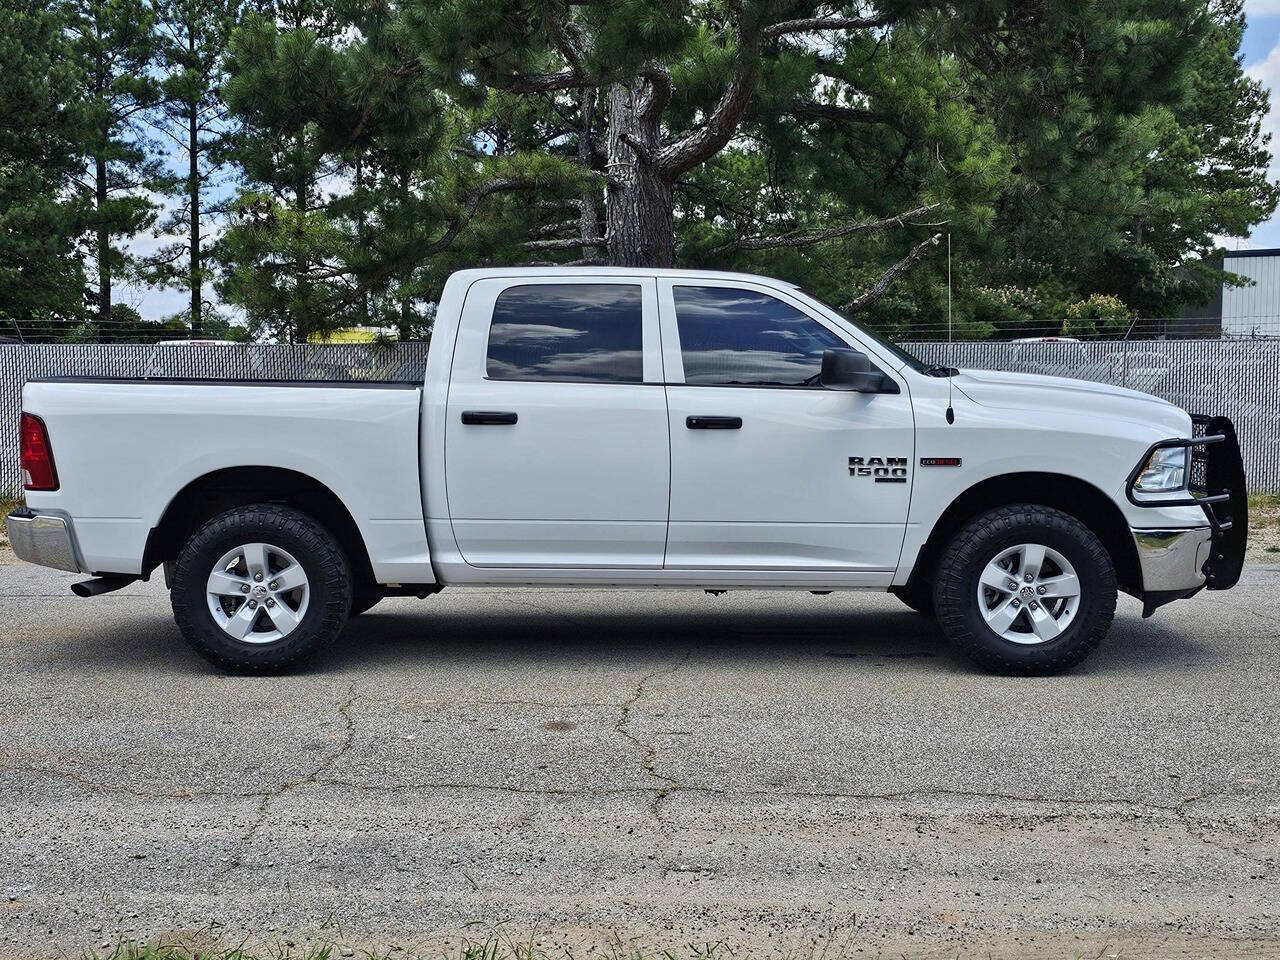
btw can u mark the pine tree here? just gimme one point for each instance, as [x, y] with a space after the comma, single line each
[192, 41]
[1134, 140]
[114, 46]
[41, 279]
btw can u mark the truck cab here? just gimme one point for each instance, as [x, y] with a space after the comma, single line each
[643, 428]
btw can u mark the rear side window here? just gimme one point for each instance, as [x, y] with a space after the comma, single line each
[590, 332]
[744, 338]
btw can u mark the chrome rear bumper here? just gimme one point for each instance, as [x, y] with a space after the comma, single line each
[43, 538]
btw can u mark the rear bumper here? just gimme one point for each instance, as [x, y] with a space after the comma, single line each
[43, 538]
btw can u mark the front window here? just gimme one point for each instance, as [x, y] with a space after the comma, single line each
[910, 359]
[734, 337]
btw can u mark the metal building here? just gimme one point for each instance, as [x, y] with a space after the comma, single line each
[1253, 310]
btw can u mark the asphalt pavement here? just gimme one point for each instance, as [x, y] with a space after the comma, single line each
[784, 773]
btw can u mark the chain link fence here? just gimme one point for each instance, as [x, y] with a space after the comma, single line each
[1238, 378]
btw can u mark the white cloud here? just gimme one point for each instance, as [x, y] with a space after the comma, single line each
[1268, 72]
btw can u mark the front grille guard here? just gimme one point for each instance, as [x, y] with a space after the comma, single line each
[1217, 486]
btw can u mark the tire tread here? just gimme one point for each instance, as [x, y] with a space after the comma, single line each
[972, 544]
[204, 635]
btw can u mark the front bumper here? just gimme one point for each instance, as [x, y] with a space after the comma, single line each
[1178, 563]
[1173, 560]
[43, 538]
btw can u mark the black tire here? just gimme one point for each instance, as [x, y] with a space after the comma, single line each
[918, 596]
[314, 548]
[364, 600]
[955, 591]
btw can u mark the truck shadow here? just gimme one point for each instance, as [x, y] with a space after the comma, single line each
[848, 635]
[555, 634]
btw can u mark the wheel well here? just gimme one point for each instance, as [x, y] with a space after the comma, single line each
[215, 493]
[1071, 495]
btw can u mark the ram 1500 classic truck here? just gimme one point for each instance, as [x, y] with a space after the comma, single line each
[635, 428]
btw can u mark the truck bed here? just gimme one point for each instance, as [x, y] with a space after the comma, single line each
[125, 448]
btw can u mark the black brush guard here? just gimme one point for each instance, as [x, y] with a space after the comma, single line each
[1217, 486]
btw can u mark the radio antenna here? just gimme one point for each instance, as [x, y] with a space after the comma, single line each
[951, 414]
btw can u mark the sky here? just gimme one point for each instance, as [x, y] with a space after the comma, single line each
[1261, 59]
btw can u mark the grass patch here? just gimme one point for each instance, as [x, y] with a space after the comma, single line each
[5, 506]
[1264, 527]
[1265, 507]
[491, 949]
[510, 949]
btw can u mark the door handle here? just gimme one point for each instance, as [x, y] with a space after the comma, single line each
[713, 423]
[479, 418]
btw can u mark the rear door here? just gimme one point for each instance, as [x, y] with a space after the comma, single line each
[556, 440]
[769, 471]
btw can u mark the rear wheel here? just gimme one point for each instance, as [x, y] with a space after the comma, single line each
[261, 588]
[1025, 589]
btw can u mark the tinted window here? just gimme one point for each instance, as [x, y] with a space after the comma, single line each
[732, 336]
[567, 331]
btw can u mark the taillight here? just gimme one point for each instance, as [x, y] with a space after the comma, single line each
[36, 456]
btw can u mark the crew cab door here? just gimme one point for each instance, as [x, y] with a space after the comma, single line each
[556, 443]
[765, 468]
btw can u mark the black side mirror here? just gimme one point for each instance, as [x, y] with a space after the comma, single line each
[851, 370]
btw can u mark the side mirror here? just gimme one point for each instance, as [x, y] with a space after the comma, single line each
[851, 370]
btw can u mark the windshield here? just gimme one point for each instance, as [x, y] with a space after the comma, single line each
[910, 359]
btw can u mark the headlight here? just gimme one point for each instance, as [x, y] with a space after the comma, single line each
[1165, 469]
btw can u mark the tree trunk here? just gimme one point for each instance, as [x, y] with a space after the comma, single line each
[301, 285]
[193, 187]
[641, 232]
[104, 246]
[588, 215]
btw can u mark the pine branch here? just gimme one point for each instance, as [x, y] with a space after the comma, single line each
[830, 111]
[803, 238]
[881, 286]
[538, 82]
[471, 204]
[562, 243]
[707, 140]
[816, 24]
[656, 98]
[567, 38]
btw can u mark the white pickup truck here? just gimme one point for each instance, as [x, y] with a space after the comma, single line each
[635, 428]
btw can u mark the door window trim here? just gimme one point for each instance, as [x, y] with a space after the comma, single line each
[470, 354]
[673, 358]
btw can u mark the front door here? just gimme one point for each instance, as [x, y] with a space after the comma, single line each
[556, 445]
[769, 471]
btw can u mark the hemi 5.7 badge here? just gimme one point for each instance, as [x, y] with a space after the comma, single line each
[880, 469]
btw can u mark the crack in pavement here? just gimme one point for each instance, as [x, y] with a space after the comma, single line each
[344, 710]
[649, 751]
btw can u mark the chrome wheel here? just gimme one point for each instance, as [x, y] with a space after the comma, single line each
[1028, 594]
[258, 593]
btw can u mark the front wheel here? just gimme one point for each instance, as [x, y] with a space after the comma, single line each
[1025, 589]
[259, 589]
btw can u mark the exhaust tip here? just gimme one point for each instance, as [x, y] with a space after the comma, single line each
[101, 585]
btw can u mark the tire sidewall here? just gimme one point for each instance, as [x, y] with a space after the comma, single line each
[980, 542]
[329, 592]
